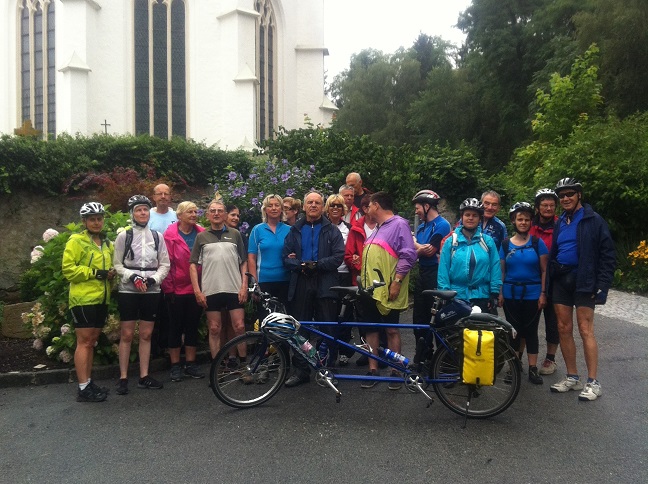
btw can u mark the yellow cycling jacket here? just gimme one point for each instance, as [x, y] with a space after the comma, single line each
[81, 258]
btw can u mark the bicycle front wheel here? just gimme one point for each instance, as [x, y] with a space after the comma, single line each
[251, 382]
[485, 401]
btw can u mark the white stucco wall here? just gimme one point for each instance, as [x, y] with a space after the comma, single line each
[95, 73]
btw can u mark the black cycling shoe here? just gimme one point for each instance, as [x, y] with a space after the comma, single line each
[122, 386]
[97, 388]
[534, 376]
[89, 394]
[149, 383]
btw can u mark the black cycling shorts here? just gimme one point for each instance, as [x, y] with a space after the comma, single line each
[223, 300]
[564, 293]
[134, 306]
[91, 316]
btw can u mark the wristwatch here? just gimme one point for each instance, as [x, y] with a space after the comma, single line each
[398, 281]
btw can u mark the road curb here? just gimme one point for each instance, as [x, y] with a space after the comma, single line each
[68, 375]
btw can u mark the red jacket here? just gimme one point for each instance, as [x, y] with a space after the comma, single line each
[545, 234]
[354, 245]
[178, 281]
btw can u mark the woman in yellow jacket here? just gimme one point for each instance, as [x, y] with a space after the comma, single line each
[87, 264]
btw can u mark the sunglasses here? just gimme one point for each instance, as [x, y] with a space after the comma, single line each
[566, 194]
[336, 205]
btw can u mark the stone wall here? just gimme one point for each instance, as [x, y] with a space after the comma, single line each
[23, 219]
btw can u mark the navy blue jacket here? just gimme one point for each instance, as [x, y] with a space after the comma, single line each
[596, 255]
[330, 249]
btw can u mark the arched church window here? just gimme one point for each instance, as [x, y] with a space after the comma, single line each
[160, 72]
[266, 48]
[37, 74]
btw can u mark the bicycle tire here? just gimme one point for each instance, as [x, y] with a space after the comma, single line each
[255, 381]
[486, 401]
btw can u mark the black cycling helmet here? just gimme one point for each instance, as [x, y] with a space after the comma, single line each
[520, 207]
[471, 204]
[545, 193]
[91, 208]
[426, 196]
[567, 184]
[136, 200]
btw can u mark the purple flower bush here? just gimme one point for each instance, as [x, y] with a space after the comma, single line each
[279, 177]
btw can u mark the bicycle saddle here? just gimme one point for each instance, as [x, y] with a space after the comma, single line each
[445, 295]
[344, 290]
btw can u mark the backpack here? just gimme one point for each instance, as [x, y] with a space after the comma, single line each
[535, 241]
[478, 357]
[128, 249]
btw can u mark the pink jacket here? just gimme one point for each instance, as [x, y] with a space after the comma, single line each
[178, 281]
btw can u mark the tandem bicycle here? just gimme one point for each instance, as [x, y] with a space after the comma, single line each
[437, 362]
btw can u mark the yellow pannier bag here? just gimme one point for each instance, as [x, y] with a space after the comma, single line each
[478, 365]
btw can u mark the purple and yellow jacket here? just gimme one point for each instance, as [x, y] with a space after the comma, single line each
[390, 249]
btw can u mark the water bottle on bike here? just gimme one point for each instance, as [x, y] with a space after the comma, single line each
[393, 356]
[323, 353]
[305, 345]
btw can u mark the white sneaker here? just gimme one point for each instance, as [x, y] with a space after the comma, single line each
[548, 367]
[591, 391]
[566, 384]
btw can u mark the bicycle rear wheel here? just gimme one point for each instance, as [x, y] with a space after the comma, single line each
[253, 382]
[485, 401]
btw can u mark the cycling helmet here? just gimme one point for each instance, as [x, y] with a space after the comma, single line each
[520, 207]
[471, 204]
[281, 325]
[91, 208]
[136, 200]
[568, 183]
[426, 196]
[545, 193]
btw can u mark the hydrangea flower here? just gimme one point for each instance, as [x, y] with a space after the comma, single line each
[38, 344]
[36, 253]
[49, 234]
[65, 356]
[65, 329]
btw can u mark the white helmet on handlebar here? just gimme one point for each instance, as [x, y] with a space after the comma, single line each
[281, 325]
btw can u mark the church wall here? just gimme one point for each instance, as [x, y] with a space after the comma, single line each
[8, 78]
[94, 60]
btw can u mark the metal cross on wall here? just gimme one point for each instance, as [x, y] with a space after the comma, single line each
[105, 124]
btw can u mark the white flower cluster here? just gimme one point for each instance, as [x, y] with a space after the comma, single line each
[36, 253]
[65, 356]
[49, 234]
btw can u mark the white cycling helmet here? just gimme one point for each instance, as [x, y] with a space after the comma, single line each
[544, 193]
[281, 325]
[91, 208]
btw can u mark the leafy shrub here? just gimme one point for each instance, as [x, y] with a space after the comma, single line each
[116, 187]
[45, 166]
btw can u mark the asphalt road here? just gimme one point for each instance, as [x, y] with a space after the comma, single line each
[184, 434]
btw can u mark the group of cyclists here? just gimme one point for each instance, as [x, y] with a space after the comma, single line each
[550, 263]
